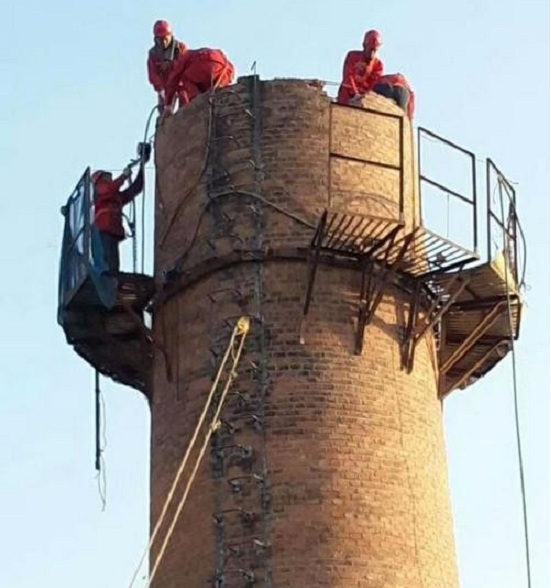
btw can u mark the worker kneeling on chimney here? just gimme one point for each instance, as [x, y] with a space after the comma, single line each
[162, 57]
[361, 69]
[109, 201]
[396, 87]
[197, 71]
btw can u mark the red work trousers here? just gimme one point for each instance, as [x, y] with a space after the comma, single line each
[206, 71]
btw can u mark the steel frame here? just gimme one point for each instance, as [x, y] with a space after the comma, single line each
[416, 326]
[487, 322]
[445, 390]
[372, 287]
[375, 272]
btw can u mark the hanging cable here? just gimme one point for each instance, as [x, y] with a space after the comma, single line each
[515, 389]
[101, 442]
[241, 329]
[101, 478]
[145, 140]
[97, 395]
[133, 236]
[448, 218]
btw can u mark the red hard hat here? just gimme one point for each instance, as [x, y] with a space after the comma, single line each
[162, 29]
[372, 40]
[97, 175]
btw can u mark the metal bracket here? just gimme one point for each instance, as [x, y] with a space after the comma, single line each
[349, 236]
[443, 389]
[241, 455]
[374, 281]
[419, 322]
[236, 295]
[250, 419]
[148, 336]
[247, 517]
[313, 259]
[471, 340]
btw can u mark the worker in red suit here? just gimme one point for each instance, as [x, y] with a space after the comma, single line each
[109, 201]
[197, 71]
[162, 57]
[396, 87]
[361, 69]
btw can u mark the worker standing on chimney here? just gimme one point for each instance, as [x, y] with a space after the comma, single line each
[162, 57]
[361, 69]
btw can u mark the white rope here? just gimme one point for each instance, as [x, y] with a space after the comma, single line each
[240, 328]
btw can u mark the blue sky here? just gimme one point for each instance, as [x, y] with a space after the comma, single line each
[74, 93]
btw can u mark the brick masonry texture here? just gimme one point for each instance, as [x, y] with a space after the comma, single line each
[348, 477]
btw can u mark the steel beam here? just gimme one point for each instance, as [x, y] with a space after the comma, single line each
[471, 340]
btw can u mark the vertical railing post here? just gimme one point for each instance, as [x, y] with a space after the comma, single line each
[401, 166]
[87, 218]
[475, 205]
[488, 211]
[419, 195]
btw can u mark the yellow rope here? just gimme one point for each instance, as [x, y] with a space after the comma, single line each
[241, 329]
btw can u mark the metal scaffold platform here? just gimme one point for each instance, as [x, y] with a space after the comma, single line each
[114, 341]
[472, 308]
[102, 315]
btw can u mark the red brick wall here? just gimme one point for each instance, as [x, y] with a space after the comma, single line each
[348, 479]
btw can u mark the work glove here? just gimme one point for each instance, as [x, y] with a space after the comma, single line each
[127, 171]
[167, 111]
[160, 101]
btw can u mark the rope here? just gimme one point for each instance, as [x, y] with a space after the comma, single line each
[241, 328]
[101, 442]
[101, 478]
[515, 395]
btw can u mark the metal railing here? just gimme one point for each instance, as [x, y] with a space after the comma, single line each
[469, 199]
[82, 255]
[76, 250]
[503, 215]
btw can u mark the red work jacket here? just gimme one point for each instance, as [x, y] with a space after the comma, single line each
[400, 80]
[358, 76]
[160, 62]
[109, 200]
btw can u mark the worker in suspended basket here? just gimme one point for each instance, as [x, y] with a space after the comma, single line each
[197, 71]
[162, 57]
[396, 88]
[109, 200]
[361, 69]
